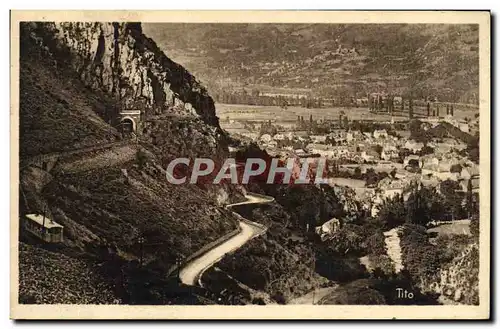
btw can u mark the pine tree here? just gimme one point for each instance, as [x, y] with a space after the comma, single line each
[470, 201]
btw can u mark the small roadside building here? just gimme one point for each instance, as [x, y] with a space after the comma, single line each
[328, 228]
[43, 227]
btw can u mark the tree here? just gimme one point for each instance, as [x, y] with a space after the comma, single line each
[346, 123]
[392, 212]
[456, 168]
[357, 172]
[403, 153]
[414, 163]
[375, 244]
[423, 205]
[426, 150]
[371, 177]
[453, 200]
[378, 148]
[469, 199]
[140, 158]
[420, 258]
[348, 239]
[474, 226]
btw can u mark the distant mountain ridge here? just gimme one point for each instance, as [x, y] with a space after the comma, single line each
[329, 59]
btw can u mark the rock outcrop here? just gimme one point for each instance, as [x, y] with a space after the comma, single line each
[118, 59]
[458, 281]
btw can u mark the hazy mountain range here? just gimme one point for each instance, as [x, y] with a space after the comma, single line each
[328, 59]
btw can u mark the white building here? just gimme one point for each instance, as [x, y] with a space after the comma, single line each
[389, 152]
[464, 127]
[318, 138]
[369, 155]
[328, 228]
[266, 138]
[413, 146]
[380, 134]
[469, 172]
[442, 171]
[279, 137]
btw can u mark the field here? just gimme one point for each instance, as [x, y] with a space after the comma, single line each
[454, 227]
[349, 182]
[288, 117]
[279, 115]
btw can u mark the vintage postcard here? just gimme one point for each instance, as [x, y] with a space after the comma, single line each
[250, 165]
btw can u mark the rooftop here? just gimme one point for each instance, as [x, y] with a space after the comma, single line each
[49, 223]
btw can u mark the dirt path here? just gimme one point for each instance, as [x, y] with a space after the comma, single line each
[393, 247]
[191, 273]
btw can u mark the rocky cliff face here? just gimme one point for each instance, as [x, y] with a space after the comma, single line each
[458, 281]
[120, 60]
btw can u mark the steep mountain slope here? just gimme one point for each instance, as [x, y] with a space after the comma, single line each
[330, 59]
[125, 226]
[118, 59]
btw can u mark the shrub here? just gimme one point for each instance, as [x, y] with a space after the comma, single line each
[359, 292]
[348, 239]
[382, 264]
[474, 226]
[340, 269]
[141, 159]
[392, 212]
[375, 244]
[420, 258]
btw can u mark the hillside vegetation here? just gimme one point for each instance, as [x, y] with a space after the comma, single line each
[125, 225]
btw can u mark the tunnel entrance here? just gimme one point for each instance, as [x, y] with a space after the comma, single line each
[127, 126]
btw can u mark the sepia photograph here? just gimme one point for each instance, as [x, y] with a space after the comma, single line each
[258, 165]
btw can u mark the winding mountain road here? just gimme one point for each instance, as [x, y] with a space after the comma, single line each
[190, 273]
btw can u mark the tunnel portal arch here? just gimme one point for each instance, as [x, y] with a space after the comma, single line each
[128, 124]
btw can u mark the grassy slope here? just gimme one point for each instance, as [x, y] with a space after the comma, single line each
[57, 113]
[118, 209]
[49, 277]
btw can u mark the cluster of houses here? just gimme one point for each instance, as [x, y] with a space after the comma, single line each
[383, 152]
[353, 145]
